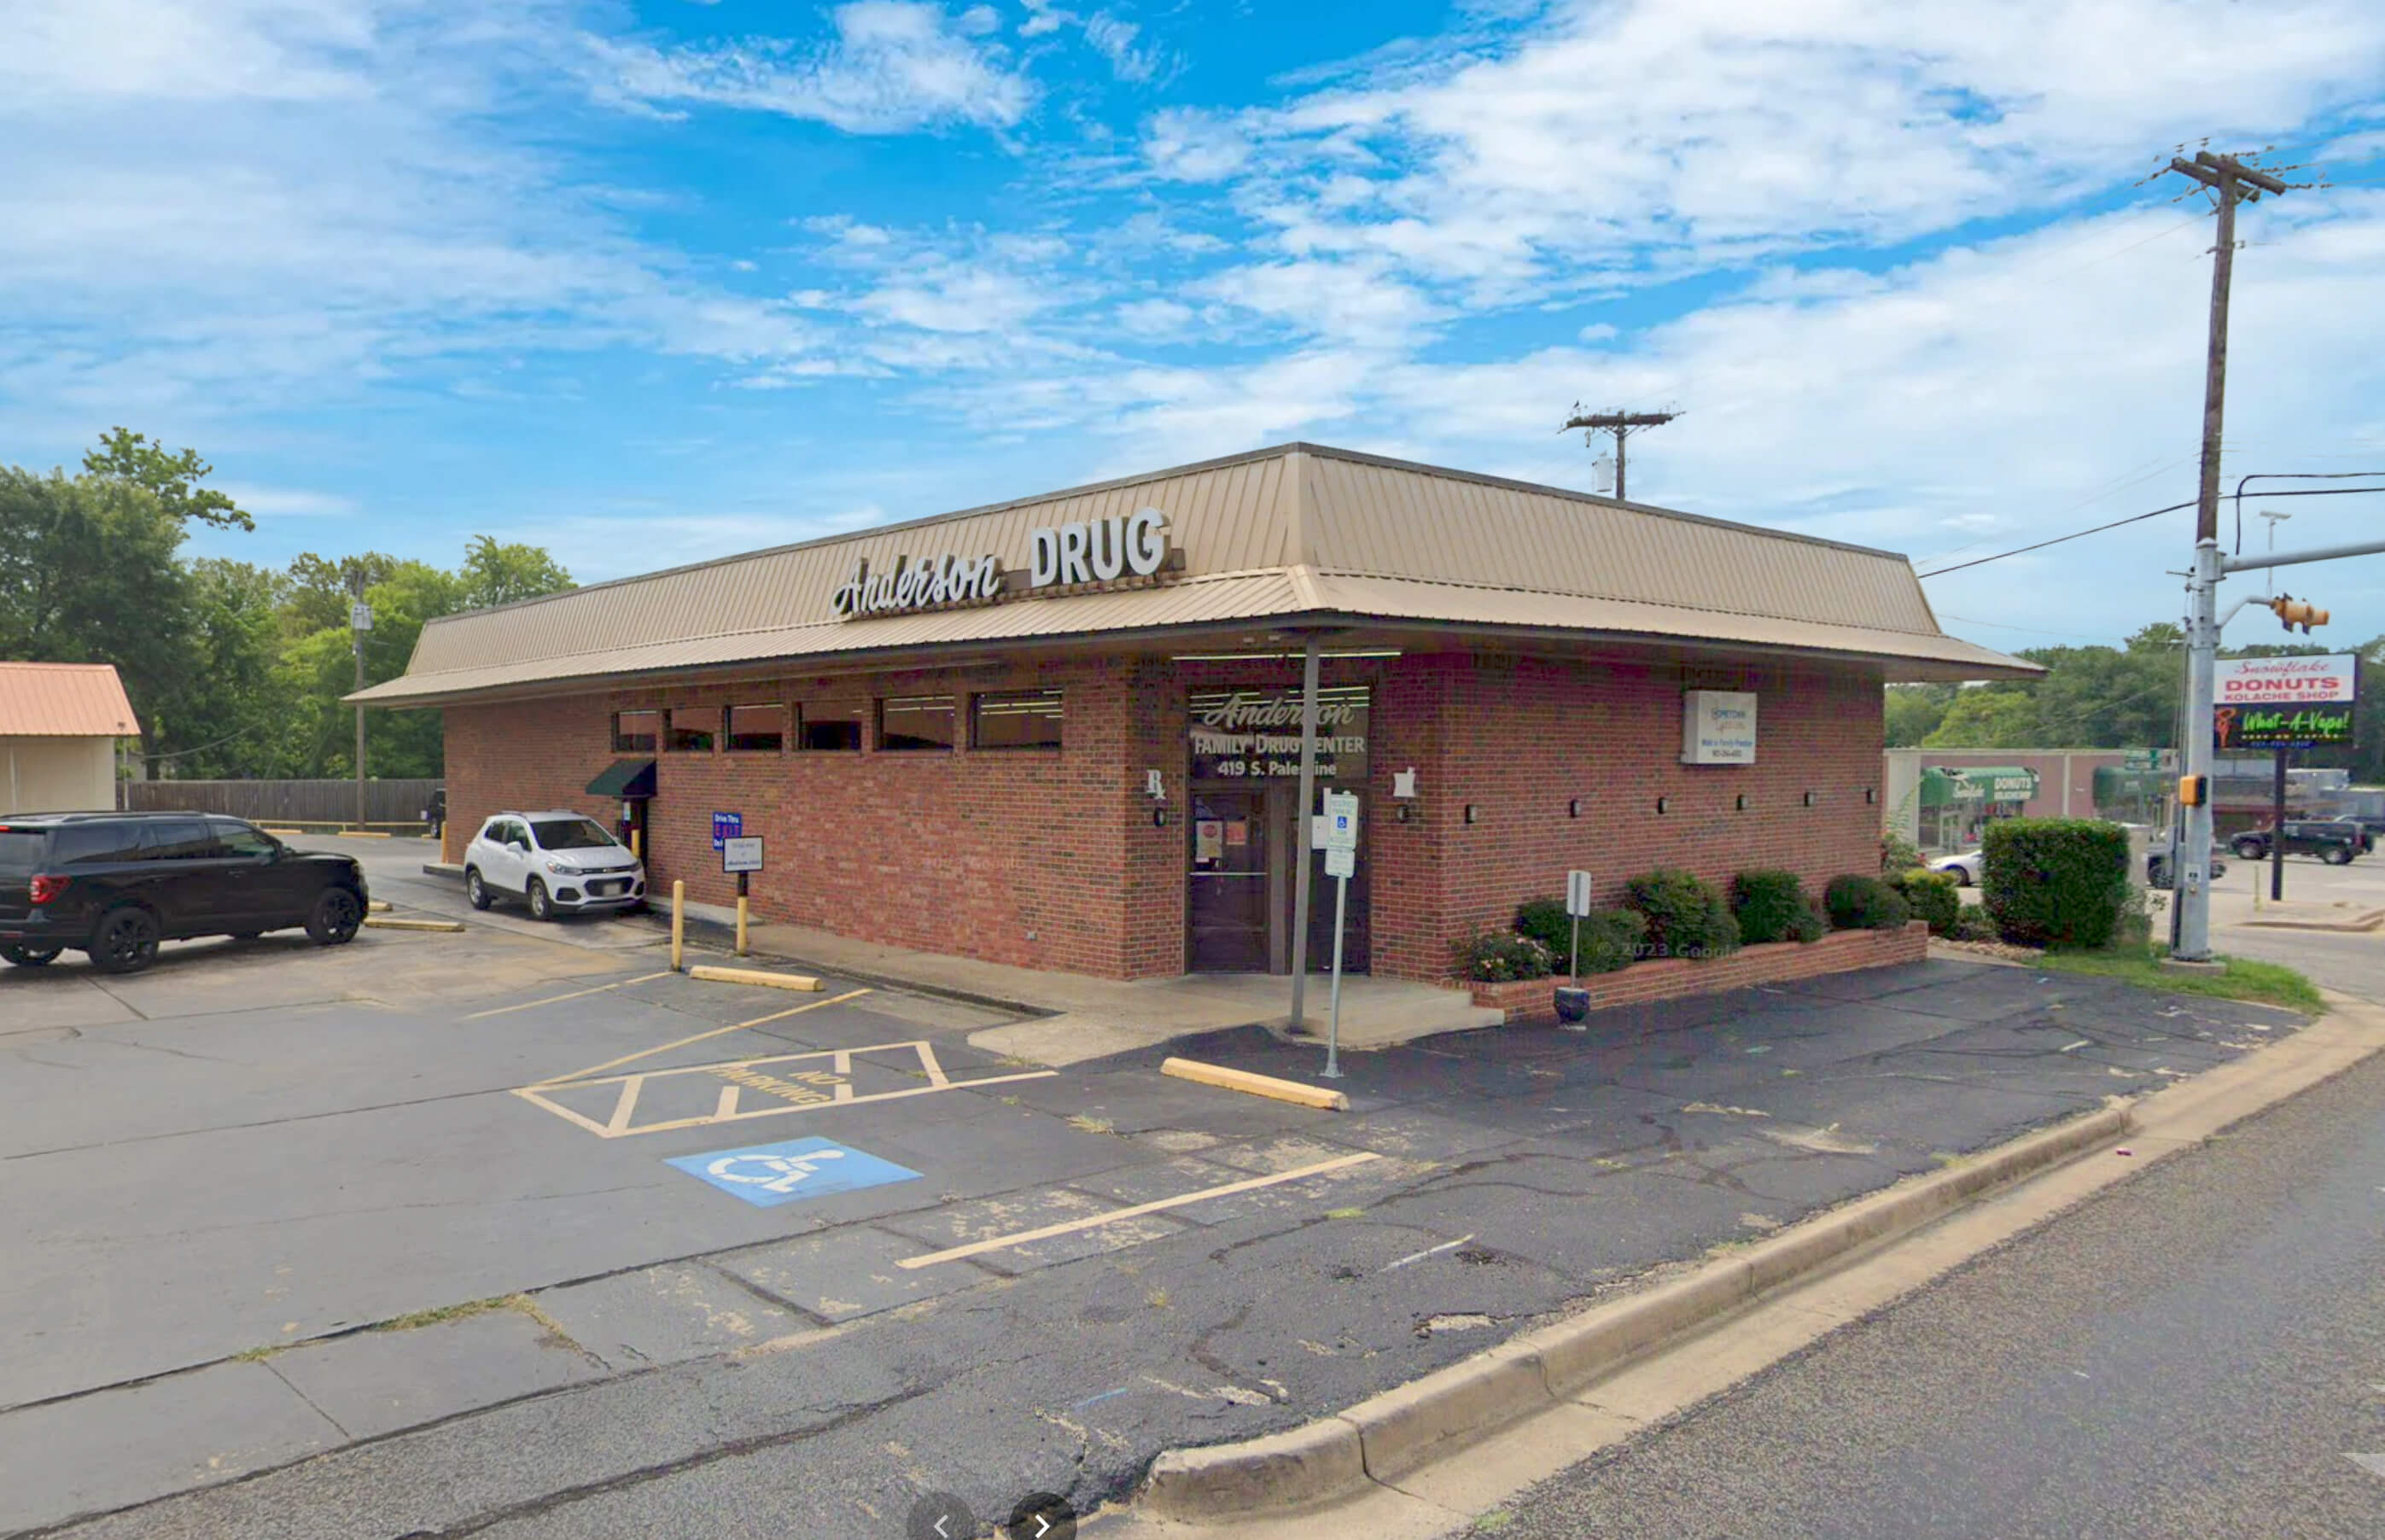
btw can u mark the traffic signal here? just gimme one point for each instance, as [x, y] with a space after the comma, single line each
[2297, 612]
[2193, 791]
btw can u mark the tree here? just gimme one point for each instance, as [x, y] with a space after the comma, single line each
[1914, 712]
[1988, 716]
[172, 479]
[89, 574]
[493, 573]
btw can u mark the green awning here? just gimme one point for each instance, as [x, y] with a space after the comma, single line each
[629, 780]
[1977, 783]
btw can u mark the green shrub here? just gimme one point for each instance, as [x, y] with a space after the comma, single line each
[1897, 853]
[1610, 938]
[1865, 904]
[1933, 895]
[1811, 923]
[1687, 916]
[1974, 924]
[2056, 882]
[1769, 906]
[1501, 956]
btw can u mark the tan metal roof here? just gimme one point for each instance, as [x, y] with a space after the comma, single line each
[64, 700]
[1299, 529]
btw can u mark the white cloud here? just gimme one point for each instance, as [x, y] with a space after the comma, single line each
[334, 209]
[1155, 319]
[893, 67]
[280, 502]
[1629, 136]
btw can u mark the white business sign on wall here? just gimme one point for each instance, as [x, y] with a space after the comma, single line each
[1063, 556]
[1717, 727]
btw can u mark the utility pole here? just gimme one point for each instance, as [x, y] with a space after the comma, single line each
[360, 623]
[1620, 424]
[2229, 180]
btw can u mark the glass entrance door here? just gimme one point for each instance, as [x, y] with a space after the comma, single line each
[1227, 901]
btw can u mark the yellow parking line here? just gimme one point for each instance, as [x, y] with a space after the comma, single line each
[1072, 1226]
[577, 994]
[717, 1032]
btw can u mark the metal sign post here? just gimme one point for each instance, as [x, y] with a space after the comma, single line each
[1576, 906]
[742, 855]
[1341, 842]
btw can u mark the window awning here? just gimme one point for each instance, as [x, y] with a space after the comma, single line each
[1943, 785]
[630, 779]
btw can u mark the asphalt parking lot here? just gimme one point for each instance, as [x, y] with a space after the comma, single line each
[520, 1234]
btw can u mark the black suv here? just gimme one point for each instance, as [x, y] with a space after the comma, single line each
[115, 885]
[2335, 844]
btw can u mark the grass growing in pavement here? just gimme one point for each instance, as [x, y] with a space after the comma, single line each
[2266, 984]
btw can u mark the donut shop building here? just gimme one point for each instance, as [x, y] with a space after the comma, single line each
[1067, 732]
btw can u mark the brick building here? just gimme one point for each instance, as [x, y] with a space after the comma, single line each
[1067, 732]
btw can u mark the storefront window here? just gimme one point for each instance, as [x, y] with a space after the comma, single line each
[636, 732]
[914, 724]
[690, 732]
[1016, 719]
[835, 729]
[757, 729]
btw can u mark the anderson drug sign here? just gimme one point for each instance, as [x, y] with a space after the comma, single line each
[1098, 550]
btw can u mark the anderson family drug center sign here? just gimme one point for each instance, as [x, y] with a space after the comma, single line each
[1100, 550]
[2284, 701]
[1255, 735]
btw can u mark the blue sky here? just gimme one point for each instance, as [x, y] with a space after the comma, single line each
[648, 282]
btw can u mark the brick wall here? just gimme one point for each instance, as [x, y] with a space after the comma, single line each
[1521, 739]
[1013, 856]
[1674, 978]
[1052, 858]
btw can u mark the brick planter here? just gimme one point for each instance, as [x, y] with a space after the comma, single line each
[1672, 978]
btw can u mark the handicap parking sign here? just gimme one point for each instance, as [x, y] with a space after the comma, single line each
[768, 1175]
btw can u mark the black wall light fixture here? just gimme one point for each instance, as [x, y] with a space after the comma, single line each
[1573, 808]
[1739, 802]
[1664, 805]
[1809, 800]
[1871, 793]
[1469, 812]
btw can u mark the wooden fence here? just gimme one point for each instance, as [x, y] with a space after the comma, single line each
[281, 801]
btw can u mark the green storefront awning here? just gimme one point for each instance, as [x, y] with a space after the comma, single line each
[630, 779]
[1943, 786]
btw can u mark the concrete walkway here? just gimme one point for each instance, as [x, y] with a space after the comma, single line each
[1077, 1017]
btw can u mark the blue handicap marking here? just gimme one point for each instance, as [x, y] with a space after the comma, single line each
[768, 1175]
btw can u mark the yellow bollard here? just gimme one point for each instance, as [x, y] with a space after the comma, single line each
[637, 838]
[740, 925]
[679, 924]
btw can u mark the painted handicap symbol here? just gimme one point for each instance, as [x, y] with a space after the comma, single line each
[772, 1173]
[768, 1175]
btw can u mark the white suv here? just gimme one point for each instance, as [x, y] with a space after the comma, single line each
[559, 862]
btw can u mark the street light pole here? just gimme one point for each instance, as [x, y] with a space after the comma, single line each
[360, 623]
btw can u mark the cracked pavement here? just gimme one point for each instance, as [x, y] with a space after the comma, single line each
[209, 1234]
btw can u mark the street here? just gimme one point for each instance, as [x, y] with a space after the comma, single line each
[2196, 1354]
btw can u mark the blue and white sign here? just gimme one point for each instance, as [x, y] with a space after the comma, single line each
[725, 827]
[769, 1175]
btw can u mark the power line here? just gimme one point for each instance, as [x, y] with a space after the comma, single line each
[2243, 481]
[2132, 519]
[2139, 518]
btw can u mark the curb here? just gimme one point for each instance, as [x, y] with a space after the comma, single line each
[712, 974]
[389, 922]
[1245, 1081]
[1392, 1432]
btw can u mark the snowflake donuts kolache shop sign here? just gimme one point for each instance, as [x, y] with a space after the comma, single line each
[1099, 550]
